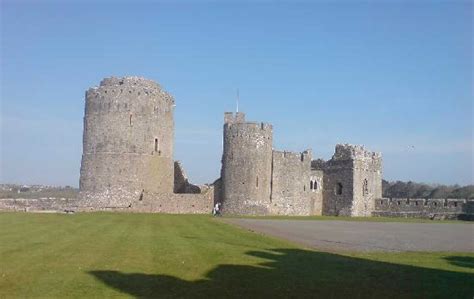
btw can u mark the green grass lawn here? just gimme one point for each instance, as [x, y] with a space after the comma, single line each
[151, 255]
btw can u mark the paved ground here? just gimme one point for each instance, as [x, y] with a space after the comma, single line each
[367, 236]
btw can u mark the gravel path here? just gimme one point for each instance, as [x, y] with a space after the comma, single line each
[367, 236]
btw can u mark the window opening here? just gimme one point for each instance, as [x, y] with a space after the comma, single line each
[339, 189]
[365, 188]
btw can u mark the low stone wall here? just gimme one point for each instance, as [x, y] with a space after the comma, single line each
[425, 208]
[39, 205]
[200, 203]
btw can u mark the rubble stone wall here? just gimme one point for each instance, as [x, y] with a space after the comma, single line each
[181, 181]
[425, 208]
[291, 178]
[147, 202]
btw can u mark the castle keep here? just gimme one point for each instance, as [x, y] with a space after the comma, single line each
[127, 160]
[127, 165]
[128, 138]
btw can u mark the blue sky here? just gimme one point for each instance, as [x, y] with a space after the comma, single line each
[387, 74]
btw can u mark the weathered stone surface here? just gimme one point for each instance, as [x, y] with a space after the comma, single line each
[201, 203]
[291, 180]
[257, 180]
[317, 180]
[425, 208]
[127, 161]
[128, 138]
[181, 182]
[246, 166]
[38, 205]
[352, 181]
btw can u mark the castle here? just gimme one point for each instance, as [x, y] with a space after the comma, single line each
[127, 161]
[259, 180]
[127, 165]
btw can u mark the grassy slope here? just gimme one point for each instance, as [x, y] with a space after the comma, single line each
[95, 255]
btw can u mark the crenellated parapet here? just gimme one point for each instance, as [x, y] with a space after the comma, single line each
[354, 152]
[130, 95]
[129, 81]
[304, 156]
[433, 208]
[230, 118]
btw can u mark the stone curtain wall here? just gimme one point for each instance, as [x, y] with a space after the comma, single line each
[246, 166]
[39, 205]
[177, 203]
[291, 177]
[147, 203]
[425, 208]
[128, 138]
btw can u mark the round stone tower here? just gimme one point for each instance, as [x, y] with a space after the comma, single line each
[128, 138]
[246, 166]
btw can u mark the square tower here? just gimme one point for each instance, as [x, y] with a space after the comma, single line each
[352, 181]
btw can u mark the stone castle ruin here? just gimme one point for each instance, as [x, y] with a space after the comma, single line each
[127, 160]
[258, 180]
[127, 165]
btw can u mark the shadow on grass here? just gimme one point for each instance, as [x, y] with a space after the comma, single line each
[300, 274]
[461, 261]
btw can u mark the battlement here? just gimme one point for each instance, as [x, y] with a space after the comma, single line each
[435, 202]
[448, 208]
[229, 117]
[128, 89]
[129, 81]
[248, 129]
[318, 164]
[295, 156]
[352, 152]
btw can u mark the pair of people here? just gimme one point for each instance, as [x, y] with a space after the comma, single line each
[216, 210]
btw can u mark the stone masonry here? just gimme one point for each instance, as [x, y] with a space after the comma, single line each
[246, 166]
[352, 181]
[128, 138]
[291, 180]
[346, 185]
[127, 161]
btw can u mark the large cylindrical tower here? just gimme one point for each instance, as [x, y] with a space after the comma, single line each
[246, 166]
[128, 138]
